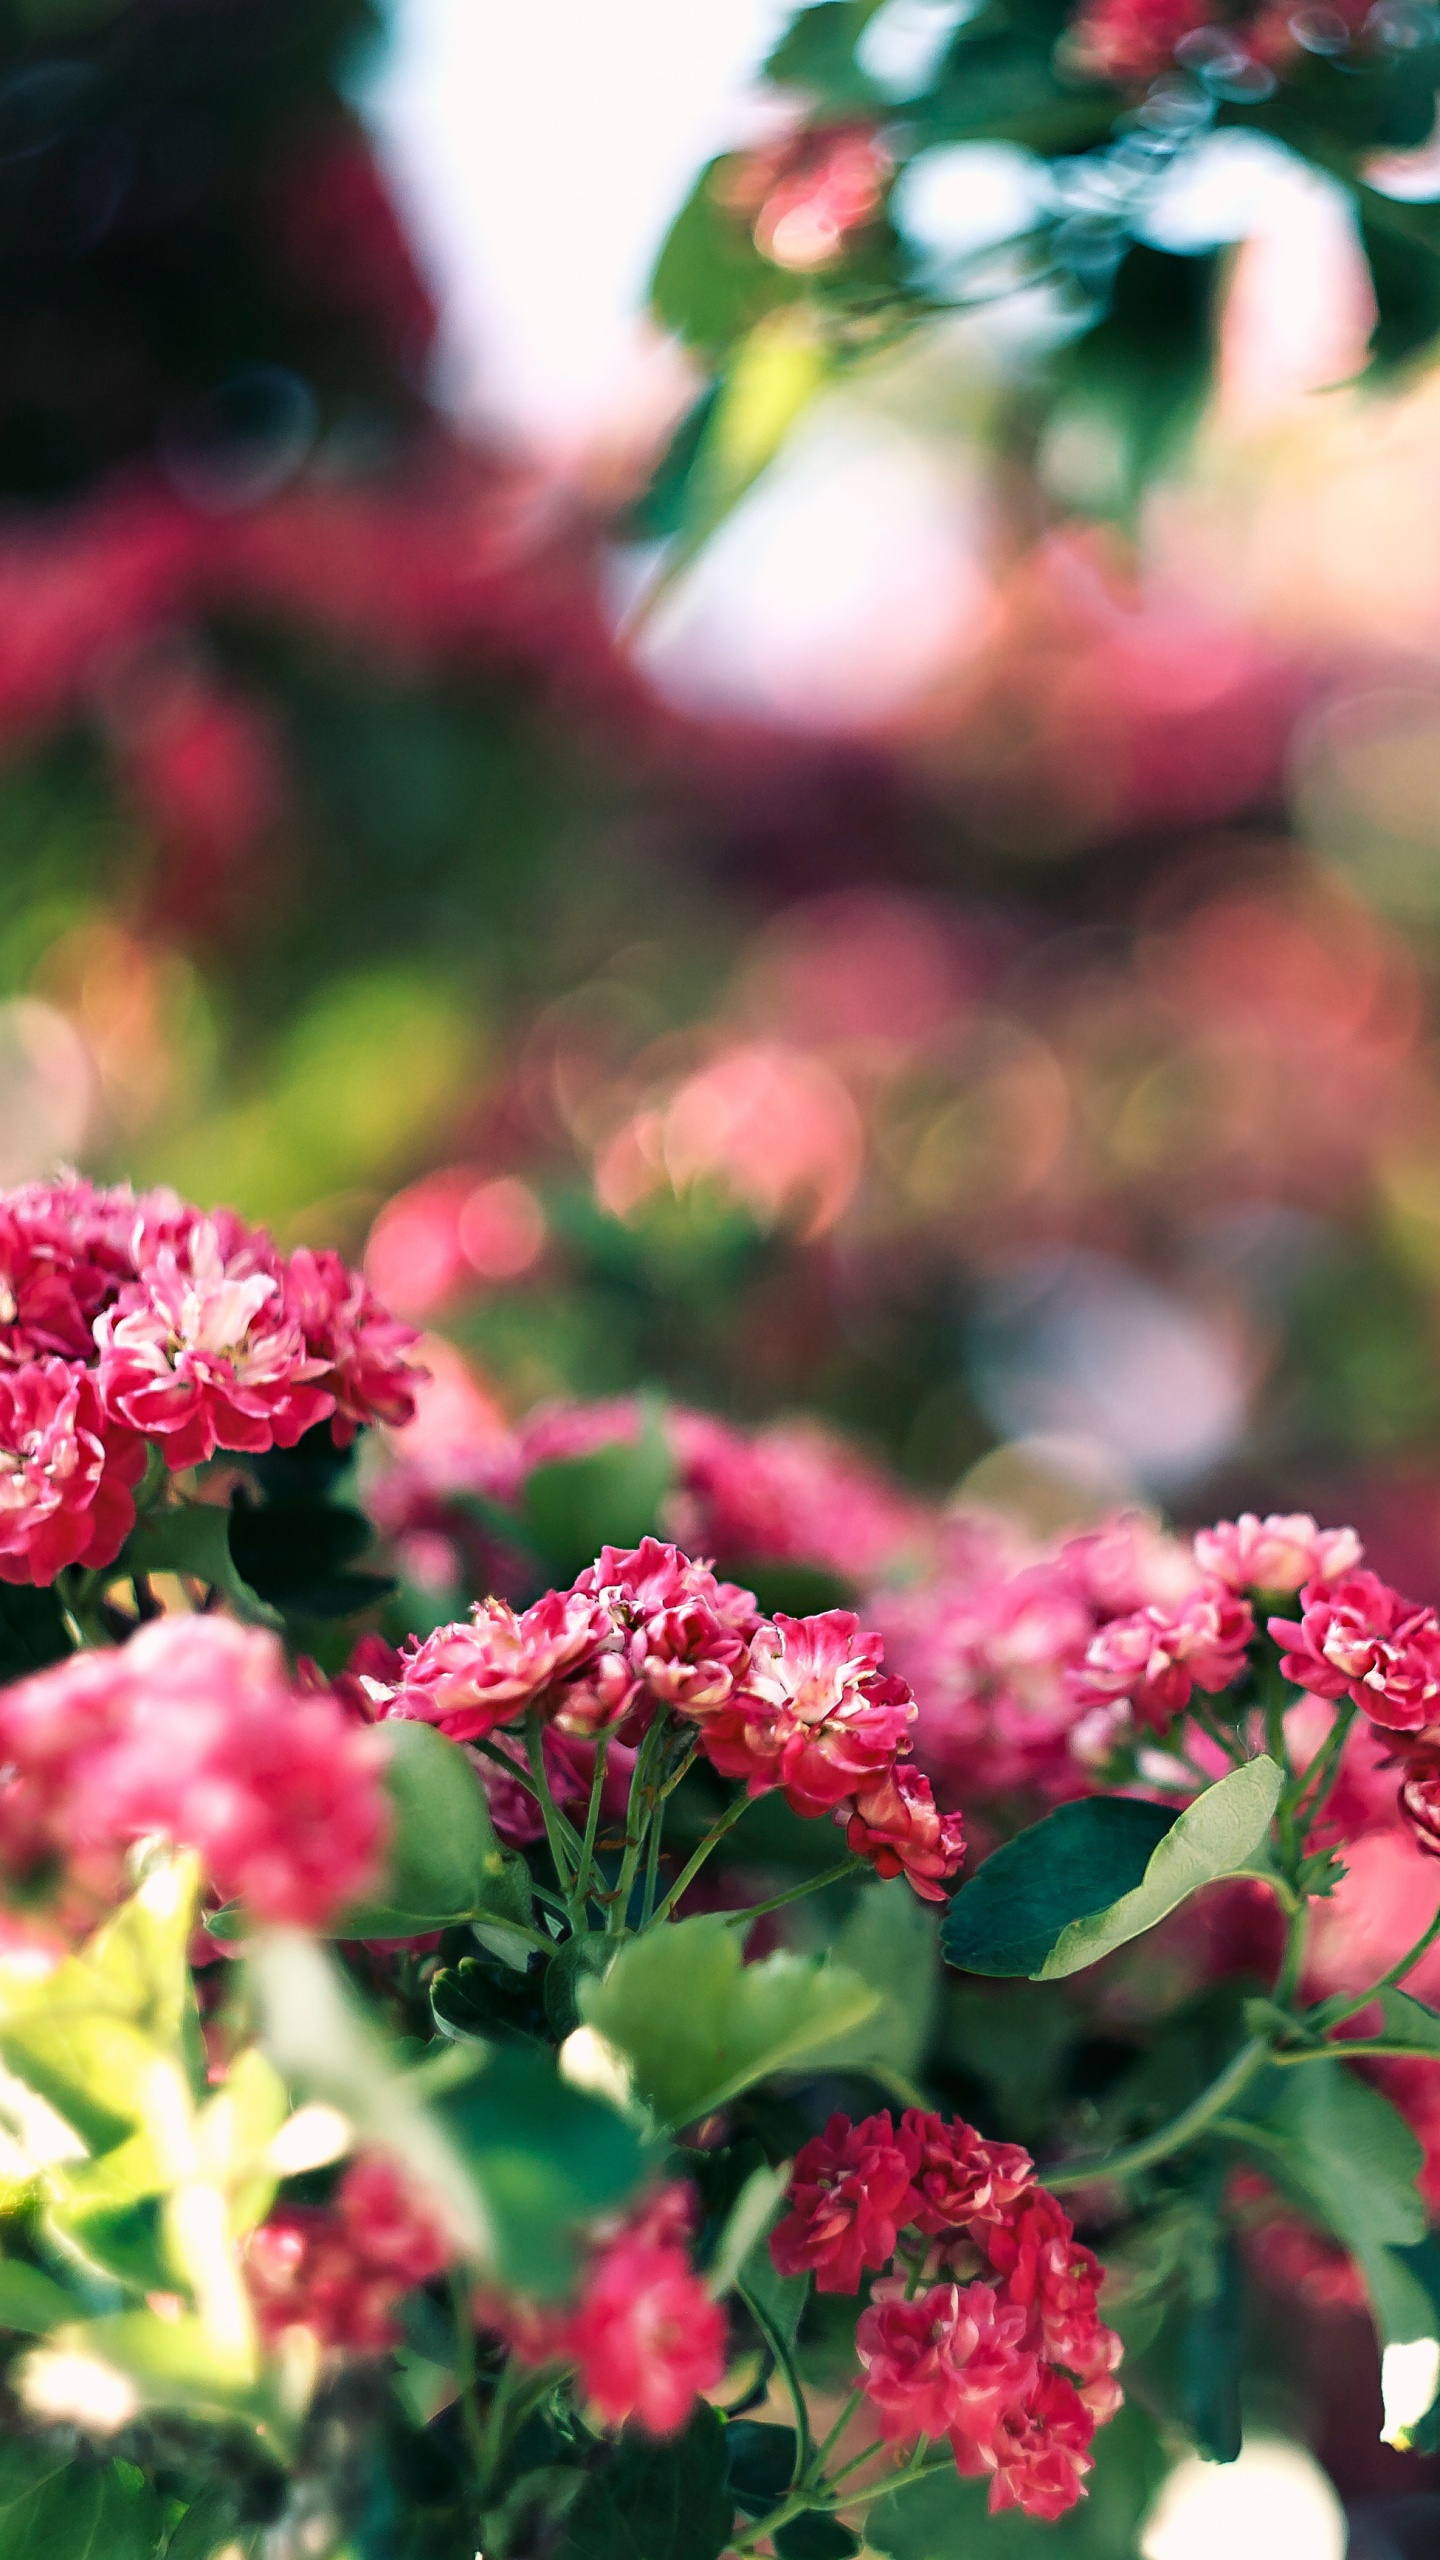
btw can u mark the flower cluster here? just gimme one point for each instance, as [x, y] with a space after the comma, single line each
[988, 2332]
[1357, 1638]
[644, 2335]
[194, 1730]
[1031, 1665]
[801, 1705]
[128, 1318]
[340, 2269]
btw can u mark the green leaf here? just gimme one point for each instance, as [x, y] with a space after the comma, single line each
[761, 2463]
[209, 2528]
[576, 1506]
[85, 2036]
[710, 283]
[1403, 2019]
[1077, 1862]
[697, 2026]
[1136, 382]
[817, 54]
[816, 2537]
[53, 2507]
[888, 1938]
[755, 2210]
[665, 2501]
[1220, 1831]
[1211, 2358]
[31, 2301]
[32, 1630]
[443, 1862]
[1402, 244]
[544, 2156]
[194, 1538]
[297, 1556]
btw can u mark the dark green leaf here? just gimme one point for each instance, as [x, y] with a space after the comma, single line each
[53, 2507]
[665, 2501]
[545, 2157]
[817, 54]
[761, 2463]
[801, 1590]
[663, 507]
[443, 1863]
[1402, 243]
[32, 1630]
[576, 1506]
[297, 1556]
[1139, 377]
[1211, 2358]
[209, 2528]
[816, 2537]
[1076, 1862]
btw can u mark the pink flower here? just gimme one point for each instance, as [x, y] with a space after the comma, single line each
[1056, 2280]
[894, 1823]
[817, 1715]
[1039, 2453]
[681, 1637]
[793, 1489]
[471, 1677]
[849, 2196]
[1357, 1638]
[359, 1345]
[951, 2361]
[961, 2178]
[1420, 1801]
[58, 1268]
[340, 2270]
[66, 1473]
[193, 1730]
[1278, 1553]
[647, 2338]
[202, 1353]
[1157, 1657]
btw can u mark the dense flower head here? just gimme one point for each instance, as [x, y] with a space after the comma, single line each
[201, 1352]
[817, 1717]
[681, 1639]
[486, 1670]
[362, 1346]
[193, 1730]
[1358, 1638]
[62, 1259]
[644, 2335]
[1015, 2367]
[1155, 1659]
[1420, 1800]
[850, 2195]
[340, 2270]
[66, 1472]
[895, 1823]
[1278, 1553]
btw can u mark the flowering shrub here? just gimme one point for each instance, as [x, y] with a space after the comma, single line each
[478, 2062]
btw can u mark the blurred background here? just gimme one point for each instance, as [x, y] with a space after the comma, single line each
[949, 947]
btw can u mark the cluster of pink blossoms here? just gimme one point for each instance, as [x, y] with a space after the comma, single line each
[125, 1319]
[798, 1704]
[193, 1730]
[339, 2270]
[1357, 1638]
[1032, 1665]
[999, 2348]
[644, 2336]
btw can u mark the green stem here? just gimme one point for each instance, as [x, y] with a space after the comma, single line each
[1387, 1981]
[549, 1810]
[638, 1812]
[476, 2433]
[1182, 2129]
[652, 1860]
[797, 1893]
[778, 2345]
[1287, 1981]
[586, 1866]
[1356, 2049]
[1324, 1770]
[713, 1837]
[1229, 1743]
[851, 2403]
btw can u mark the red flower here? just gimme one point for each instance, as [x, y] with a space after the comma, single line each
[66, 1473]
[951, 2361]
[682, 1637]
[1056, 2280]
[339, 2270]
[1420, 1800]
[1159, 1654]
[647, 2338]
[1357, 1638]
[1278, 1553]
[202, 1353]
[360, 1345]
[1039, 2453]
[960, 2177]
[849, 2196]
[894, 1823]
[817, 1716]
